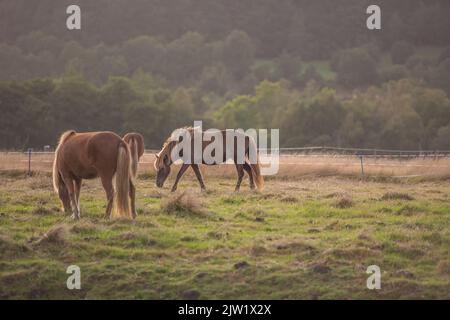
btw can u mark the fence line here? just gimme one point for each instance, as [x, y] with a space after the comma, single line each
[304, 150]
[359, 155]
[318, 163]
[286, 155]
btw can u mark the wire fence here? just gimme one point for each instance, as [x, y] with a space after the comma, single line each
[302, 159]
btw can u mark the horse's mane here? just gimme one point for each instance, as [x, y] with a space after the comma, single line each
[168, 145]
[65, 136]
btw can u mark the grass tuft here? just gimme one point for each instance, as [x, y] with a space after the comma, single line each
[184, 204]
[56, 236]
[343, 201]
[289, 199]
[443, 267]
[396, 196]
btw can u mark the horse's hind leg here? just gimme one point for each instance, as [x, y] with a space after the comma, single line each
[77, 192]
[68, 181]
[248, 169]
[240, 172]
[63, 194]
[198, 174]
[109, 189]
[133, 199]
[183, 169]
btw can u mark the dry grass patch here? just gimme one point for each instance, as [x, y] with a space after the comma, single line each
[396, 196]
[257, 250]
[56, 235]
[443, 267]
[40, 182]
[217, 235]
[343, 201]
[289, 199]
[183, 203]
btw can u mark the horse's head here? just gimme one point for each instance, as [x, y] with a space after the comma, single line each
[166, 156]
[162, 167]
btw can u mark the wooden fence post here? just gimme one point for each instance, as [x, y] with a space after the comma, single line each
[29, 161]
[362, 165]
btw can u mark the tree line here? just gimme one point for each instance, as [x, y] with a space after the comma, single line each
[228, 66]
[402, 114]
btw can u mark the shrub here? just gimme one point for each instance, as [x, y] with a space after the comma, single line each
[401, 51]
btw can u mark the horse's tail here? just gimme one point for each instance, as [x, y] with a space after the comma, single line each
[134, 156]
[256, 167]
[256, 172]
[56, 176]
[136, 143]
[121, 208]
[55, 173]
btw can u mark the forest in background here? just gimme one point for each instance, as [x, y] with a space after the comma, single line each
[310, 68]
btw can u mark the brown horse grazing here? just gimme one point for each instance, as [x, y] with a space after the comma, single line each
[136, 143]
[90, 155]
[164, 160]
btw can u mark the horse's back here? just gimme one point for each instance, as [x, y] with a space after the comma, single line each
[87, 153]
[103, 149]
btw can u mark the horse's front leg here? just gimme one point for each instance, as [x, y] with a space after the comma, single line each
[240, 172]
[199, 176]
[132, 193]
[248, 169]
[63, 194]
[183, 169]
[109, 190]
[68, 181]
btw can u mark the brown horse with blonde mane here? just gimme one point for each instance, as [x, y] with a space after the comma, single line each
[136, 143]
[90, 155]
[164, 160]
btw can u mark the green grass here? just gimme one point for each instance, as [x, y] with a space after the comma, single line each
[295, 240]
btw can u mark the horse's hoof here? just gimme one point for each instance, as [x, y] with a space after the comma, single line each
[75, 217]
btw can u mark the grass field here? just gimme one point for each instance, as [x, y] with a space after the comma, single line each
[305, 238]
